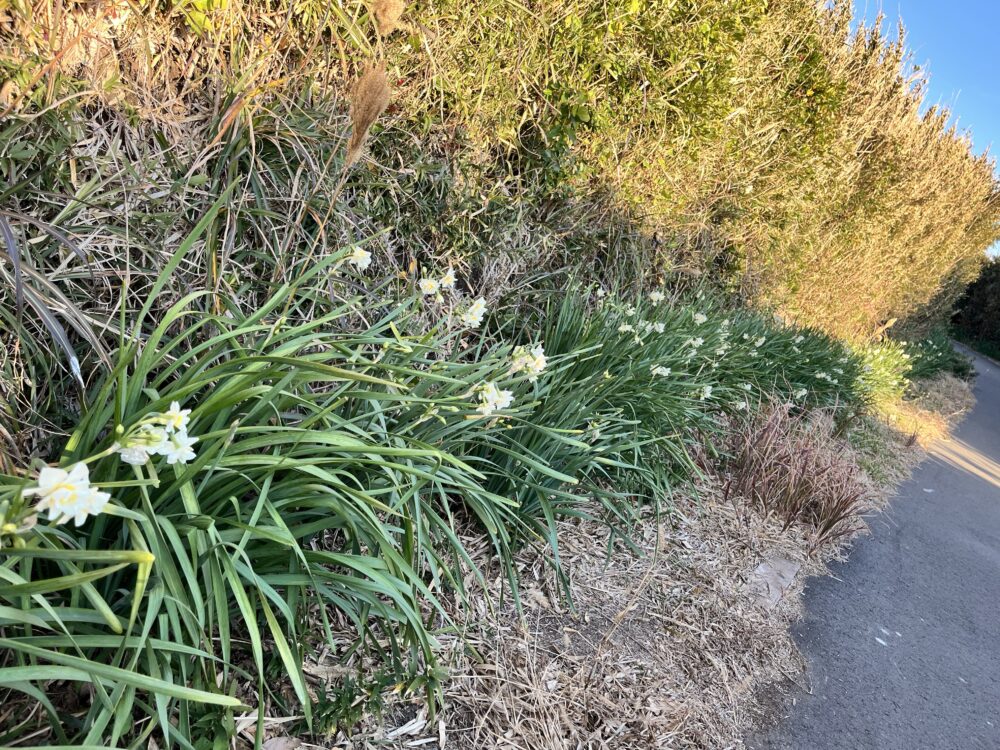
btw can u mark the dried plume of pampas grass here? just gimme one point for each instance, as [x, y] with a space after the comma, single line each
[369, 99]
[387, 14]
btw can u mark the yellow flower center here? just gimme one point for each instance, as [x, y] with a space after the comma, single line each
[67, 494]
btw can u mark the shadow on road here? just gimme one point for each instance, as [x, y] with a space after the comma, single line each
[962, 456]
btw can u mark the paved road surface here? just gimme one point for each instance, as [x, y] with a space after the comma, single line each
[903, 641]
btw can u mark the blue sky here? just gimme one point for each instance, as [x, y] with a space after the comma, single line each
[957, 42]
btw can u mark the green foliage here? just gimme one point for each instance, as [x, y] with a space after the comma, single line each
[936, 354]
[977, 317]
[885, 369]
[340, 456]
[314, 505]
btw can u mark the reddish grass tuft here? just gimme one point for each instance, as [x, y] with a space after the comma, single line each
[790, 466]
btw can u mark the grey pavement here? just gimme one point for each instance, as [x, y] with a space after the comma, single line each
[903, 640]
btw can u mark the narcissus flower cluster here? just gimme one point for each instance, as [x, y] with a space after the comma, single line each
[473, 316]
[164, 434]
[532, 361]
[68, 494]
[492, 399]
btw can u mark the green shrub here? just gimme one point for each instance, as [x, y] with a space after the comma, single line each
[339, 457]
[885, 369]
[307, 510]
[977, 315]
[936, 354]
[733, 136]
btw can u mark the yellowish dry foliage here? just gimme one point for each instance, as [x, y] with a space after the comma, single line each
[774, 142]
[931, 409]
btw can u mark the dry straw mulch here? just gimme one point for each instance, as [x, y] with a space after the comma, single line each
[662, 649]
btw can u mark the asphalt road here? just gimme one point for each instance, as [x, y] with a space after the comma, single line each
[903, 640]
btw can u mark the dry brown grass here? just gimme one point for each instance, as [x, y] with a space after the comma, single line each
[662, 650]
[931, 408]
[800, 152]
[793, 466]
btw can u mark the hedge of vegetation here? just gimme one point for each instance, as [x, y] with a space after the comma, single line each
[977, 316]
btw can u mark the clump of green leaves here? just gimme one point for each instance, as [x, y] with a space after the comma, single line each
[935, 354]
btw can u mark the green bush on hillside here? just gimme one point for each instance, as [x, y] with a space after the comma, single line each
[768, 141]
[935, 354]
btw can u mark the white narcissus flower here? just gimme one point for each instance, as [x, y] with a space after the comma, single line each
[626, 328]
[493, 399]
[178, 448]
[659, 327]
[700, 318]
[360, 258]
[473, 317]
[656, 296]
[706, 392]
[175, 418]
[136, 455]
[746, 387]
[740, 405]
[68, 494]
[661, 371]
[448, 280]
[429, 286]
[531, 361]
[801, 393]
[538, 359]
[145, 442]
